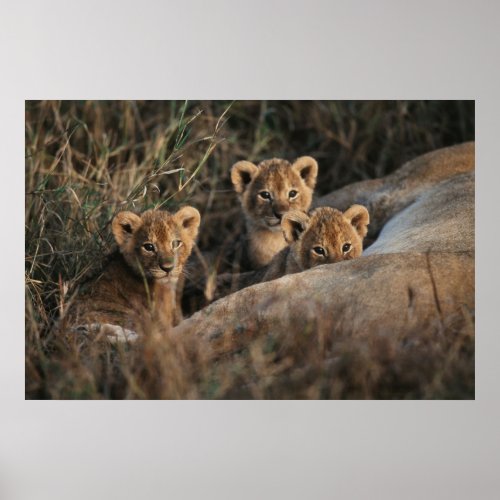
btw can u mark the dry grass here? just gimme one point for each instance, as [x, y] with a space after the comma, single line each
[87, 160]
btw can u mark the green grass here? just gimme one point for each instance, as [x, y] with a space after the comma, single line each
[86, 160]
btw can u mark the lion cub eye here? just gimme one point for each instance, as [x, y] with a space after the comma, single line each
[346, 247]
[292, 194]
[319, 250]
[149, 247]
[265, 195]
[176, 244]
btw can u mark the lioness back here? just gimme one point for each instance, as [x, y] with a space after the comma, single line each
[267, 192]
[137, 284]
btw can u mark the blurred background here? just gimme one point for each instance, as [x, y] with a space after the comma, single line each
[86, 160]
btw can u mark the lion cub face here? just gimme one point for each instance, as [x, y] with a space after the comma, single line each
[156, 244]
[269, 190]
[326, 235]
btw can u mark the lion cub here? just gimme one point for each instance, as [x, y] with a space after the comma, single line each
[324, 236]
[138, 282]
[267, 192]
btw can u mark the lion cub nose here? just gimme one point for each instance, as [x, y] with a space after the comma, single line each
[278, 215]
[167, 267]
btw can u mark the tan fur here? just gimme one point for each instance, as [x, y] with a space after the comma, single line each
[418, 277]
[279, 178]
[326, 228]
[323, 228]
[137, 285]
[387, 196]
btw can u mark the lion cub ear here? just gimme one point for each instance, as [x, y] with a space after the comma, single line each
[293, 224]
[242, 174]
[189, 219]
[124, 225]
[359, 217]
[307, 167]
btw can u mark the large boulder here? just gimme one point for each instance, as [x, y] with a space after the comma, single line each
[413, 287]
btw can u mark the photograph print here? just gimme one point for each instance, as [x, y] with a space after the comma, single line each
[249, 250]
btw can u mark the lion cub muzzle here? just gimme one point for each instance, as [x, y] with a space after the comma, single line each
[167, 263]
